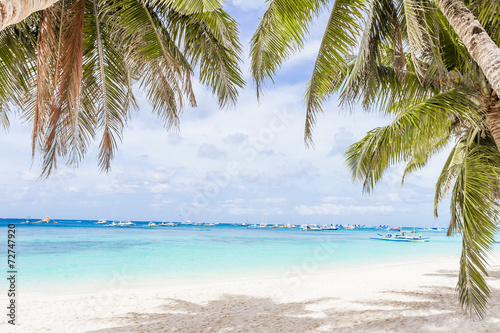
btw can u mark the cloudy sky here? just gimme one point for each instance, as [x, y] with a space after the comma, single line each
[225, 166]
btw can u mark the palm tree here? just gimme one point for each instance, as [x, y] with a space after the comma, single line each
[425, 122]
[73, 69]
[284, 25]
[427, 80]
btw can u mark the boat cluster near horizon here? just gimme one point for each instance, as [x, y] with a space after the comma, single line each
[304, 227]
[397, 234]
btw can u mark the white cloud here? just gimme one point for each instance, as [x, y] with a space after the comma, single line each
[208, 150]
[236, 138]
[174, 138]
[332, 199]
[274, 200]
[332, 209]
[158, 188]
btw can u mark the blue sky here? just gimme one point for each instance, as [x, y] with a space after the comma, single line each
[225, 165]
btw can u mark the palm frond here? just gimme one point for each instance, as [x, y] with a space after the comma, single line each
[66, 83]
[381, 27]
[211, 41]
[422, 155]
[329, 69]
[414, 131]
[280, 33]
[188, 6]
[474, 209]
[47, 35]
[420, 40]
[162, 69]
[446, 178]
[17, 57]
[105, 80]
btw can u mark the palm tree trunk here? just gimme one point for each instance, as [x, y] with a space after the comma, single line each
[482, 49]
[14, 11]
[493, 122]
[493, 116]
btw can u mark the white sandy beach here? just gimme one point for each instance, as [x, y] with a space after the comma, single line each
[400, 297]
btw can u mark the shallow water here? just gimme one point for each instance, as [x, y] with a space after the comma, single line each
[73, 255]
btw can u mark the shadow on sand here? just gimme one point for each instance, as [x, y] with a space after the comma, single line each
[428, 309]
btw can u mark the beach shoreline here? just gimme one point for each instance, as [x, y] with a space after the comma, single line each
[398, 297]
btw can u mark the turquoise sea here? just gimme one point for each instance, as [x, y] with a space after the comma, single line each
[81, 255]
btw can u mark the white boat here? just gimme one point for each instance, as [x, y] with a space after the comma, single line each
[113, 224]
[101, 221]
[151, 224]
[314, 228]
[349, 227]
[403, 237]
[187, 223]
[168, 224]
[330, 227]
[125, 223]
[262, 224]
[209, 225]
[244, 224]
[311, 227]
[253, 226]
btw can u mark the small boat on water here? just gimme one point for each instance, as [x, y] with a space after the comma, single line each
[310, 227]
[151, 224]
[125, 224]
[253, 226]
[101, 221]
[403, 237]
[330, 227]
[46, 219]
[168, 224]
[209, 225]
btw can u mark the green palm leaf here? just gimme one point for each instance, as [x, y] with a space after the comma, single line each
[329, 69]
[17, 59]
[413, 133]
[105, 81]
[474, 209]
[211, 41]
[280, 33]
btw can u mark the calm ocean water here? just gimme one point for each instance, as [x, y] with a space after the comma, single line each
[80, 255]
